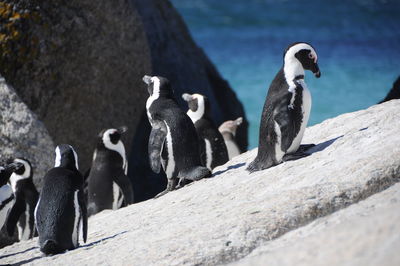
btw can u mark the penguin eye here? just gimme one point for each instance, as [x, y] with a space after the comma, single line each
[311, 56]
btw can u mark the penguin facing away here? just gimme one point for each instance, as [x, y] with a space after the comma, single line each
[173, 141]
[108, 184]
[26, 197]
[61, 210]
[286, 110]
[228, 132]
[212, 146]
[6, 193]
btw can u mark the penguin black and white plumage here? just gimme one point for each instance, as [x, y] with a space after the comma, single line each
[108, 184]
[228, 132]
[173, 141]
[61, 210]
[26, 197]
[286, 109]
[212, 146]
[6, 193]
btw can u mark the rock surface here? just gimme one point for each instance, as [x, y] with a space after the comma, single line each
[224, 218]
[367, 233]
[23, 135]
[79, 65]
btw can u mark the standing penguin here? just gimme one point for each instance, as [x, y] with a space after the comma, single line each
[286, 109]
[212, 146]
[108, 184]
[6, 193]
[173, 141]
[26, 196]
[228, 132]
[61, 211]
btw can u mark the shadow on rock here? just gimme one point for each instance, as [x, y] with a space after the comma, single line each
[322, 146]
[235, 166]
[103, 239]
[22, 262]
[21, 252]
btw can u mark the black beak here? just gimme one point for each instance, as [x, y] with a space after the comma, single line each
[147, 79]
[122, 130]
[316, 71]
[13, 167]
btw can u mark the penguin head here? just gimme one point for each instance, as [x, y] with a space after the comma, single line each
[230, 126]
[198, 104]
[301, 56]
[66, 157]
[24, 172]
[110, 139]
[24, 167]
[158, 86]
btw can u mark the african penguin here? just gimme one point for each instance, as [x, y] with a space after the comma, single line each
[108, 184]
[212, 146]
[173, 141]
[228, 131]
[26, 197]
[61, 210]
[6, 193]
[286, 109]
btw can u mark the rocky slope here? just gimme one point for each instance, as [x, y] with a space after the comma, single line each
[78, 64]
[224, 218]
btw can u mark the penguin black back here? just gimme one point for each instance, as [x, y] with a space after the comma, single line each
[61, 207]
[108, 184]
[212, 146]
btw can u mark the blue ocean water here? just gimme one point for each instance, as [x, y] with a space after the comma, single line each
[357, 42]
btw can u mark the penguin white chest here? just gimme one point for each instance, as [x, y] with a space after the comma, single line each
[149, 102]
[305, 109]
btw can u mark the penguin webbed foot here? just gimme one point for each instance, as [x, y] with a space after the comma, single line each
[171, 185]
[300, 153]
[258, 165]
[305, 147]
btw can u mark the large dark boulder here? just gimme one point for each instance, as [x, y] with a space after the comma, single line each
[78, 64]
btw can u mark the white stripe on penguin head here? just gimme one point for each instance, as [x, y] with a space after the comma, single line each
[119, 147]
[75, 157]
[58, 157]
[198, 114]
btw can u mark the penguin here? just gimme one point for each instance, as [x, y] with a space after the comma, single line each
[212, 146]
[286, 109]
[6, 193]
[26, 196]
[108, 184]
[173, 141]
[228, 132]
[61, 210]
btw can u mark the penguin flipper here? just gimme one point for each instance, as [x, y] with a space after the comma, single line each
[123, 182]
[156, 143]
[17, 209]
[82, 206]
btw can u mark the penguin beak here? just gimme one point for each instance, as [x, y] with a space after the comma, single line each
[122, 130]
[187, 97]
[147, 79]
[14, 166]
[316, 71]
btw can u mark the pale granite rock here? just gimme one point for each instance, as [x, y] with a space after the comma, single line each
[224, 218]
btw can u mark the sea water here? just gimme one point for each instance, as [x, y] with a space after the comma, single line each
[357, 42]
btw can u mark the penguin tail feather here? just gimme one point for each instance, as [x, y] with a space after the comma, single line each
[195, 173]
[51, 247]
